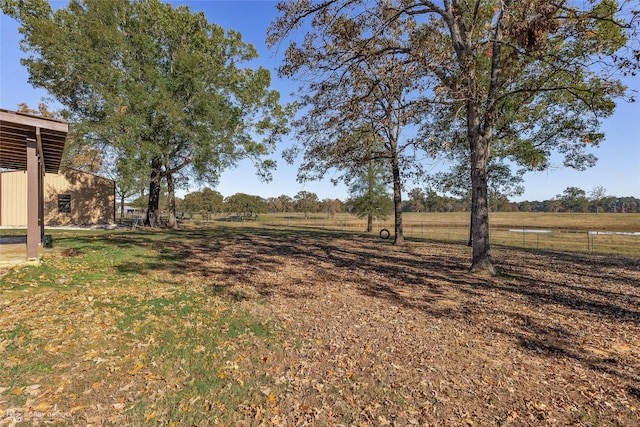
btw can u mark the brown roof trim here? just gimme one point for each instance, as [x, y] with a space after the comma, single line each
[36, 121]
[18, 128]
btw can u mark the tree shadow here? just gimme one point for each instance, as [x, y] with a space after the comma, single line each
[433, 279]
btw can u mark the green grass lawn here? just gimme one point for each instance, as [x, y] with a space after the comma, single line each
[104, 316]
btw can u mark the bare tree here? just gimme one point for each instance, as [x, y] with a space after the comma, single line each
[357, 88]
[596, 196]
[517, 80]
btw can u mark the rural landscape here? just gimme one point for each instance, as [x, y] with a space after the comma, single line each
[425, 297]
[309, 324]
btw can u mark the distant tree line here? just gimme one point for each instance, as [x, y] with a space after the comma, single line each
[207, 203]
[569, 201]
[573, 199]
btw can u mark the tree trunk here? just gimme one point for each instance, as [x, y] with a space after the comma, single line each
[153, 207]
[397, 200]
[369, 223]
[481, 258]
[122, 206]
[171, 195]
[470, 231]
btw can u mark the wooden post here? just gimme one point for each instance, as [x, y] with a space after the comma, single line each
[33, 202]
[41, 167]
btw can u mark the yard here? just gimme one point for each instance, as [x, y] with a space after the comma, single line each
[261, 326]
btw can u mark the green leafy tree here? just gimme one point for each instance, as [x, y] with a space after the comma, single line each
[627, 205]
[372, 207]
[515, 79]
[128, 177]
[437, 203]
[191, 203]
[499, 203]
[417, 200]
[306, 202]
[526, 206]
[211, 201]
[574, 199]
[369, 197]
[204, 202]
[287, 202]
[139, 202]
[246, 206]
[163, 86]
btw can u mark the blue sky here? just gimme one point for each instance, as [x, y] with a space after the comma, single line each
[618, 168]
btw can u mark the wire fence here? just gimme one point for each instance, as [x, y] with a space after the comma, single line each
[590, 241]
[571, 240]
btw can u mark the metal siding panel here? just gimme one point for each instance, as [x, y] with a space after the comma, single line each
[56, 184]
[92, 198]
[14, 199]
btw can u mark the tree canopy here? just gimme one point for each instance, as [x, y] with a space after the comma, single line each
[506, 79]
[204, 202]
[246, 206]
[282, 203]
[307, 202]
[360, 97]
[161, 85]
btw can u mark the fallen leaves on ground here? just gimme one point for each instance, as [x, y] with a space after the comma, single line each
[361, 333]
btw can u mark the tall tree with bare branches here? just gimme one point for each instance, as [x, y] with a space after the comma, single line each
[357, 87]
[515, 80]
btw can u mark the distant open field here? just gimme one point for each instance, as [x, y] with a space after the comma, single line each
[585, 233]
[556, 221]
[614, 234]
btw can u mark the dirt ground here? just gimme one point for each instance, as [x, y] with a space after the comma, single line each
[368, 334]
[384, 335]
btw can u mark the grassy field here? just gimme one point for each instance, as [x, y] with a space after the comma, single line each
[105, 316]
[248, 326]
[554, 221]
[566, 231]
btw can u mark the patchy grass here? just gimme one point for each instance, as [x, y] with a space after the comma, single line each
[91, 336]
[248, 326]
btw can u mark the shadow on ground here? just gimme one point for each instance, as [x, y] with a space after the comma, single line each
[540, 302]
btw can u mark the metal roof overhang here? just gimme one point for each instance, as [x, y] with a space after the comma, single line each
[33, 144]
[16, 129]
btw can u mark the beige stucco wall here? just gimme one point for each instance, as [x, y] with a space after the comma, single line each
[13, 199]
[92, 198]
